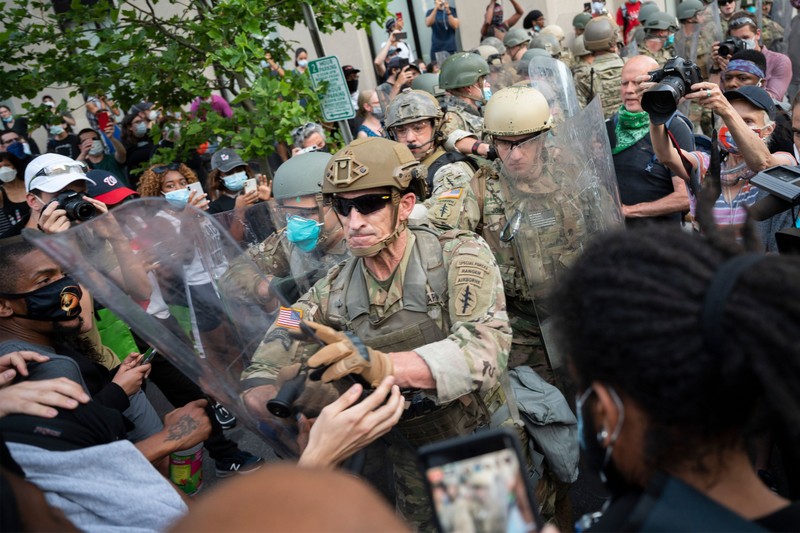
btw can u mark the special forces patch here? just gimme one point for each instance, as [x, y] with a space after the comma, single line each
[466, 299]
[470, 275]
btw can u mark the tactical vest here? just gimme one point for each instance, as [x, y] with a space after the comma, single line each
[440, 158]
[606, 78]
[425, 296]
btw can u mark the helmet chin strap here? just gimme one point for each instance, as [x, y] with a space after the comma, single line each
[375, 249]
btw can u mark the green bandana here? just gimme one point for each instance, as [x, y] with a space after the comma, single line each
[630, 129]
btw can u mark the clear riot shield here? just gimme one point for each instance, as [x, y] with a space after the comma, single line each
[557, 198]
[249, 226]
[630, 50]
[782, 12]
[713, 22]
[686, 44]
[185, 254]
[759, 13]
[555, 81]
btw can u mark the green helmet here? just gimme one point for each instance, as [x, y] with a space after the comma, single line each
[579, 21]
[497, 43]
[428, 82]
[661, 21]
[517, 110]
[689, 8]
[600, 34]
[301, 175]
[547, 42]
[645, 11]
[376, 162]
[462, 70]
[530, 53]
[515, 37]
[412, 106]
[578, 48]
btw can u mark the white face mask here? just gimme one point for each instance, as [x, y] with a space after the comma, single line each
[302, 63]
[152, 115]
[97, 148]
[8, 174]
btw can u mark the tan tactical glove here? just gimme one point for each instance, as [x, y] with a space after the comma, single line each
[346, 354]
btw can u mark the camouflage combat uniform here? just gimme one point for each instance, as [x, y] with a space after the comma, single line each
[661, 57]
[461, 114]
[603, 78]
[771, 33]
[445, 302]
[448, 176]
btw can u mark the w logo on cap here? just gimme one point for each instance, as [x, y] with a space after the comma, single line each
[110, 180]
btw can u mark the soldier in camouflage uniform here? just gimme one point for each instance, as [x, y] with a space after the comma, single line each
[694, 34]
[415, 119]
[658, 27]
[425, 307]
[308, 244]
[462, 77]
[558, 33]
[583, 58]
[518, 119]
[771, 31]
[604, 76]
[647, 8]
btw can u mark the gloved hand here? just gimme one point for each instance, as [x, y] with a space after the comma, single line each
[315, 396]
[348, 355]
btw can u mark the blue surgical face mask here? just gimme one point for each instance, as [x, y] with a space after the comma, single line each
[487, 93]
[302, 63]
[140, 129]
[303, 232]
[8, 119]
[235, 182]
[670, 40]
[56, 130]
[177, 199]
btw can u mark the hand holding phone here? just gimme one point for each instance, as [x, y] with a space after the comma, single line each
[147, 356]
[102, 119]
[250, 185]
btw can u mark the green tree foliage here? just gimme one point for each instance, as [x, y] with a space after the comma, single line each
[169, 52]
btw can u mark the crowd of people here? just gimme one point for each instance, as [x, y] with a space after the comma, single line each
[565, 242]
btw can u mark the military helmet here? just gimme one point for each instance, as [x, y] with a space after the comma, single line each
[462, 70]
[548, 43]
[374, 162]
[485, 51]
[515, 37]
[428, 82]
[645, 11]
[497, 43]
[578, 48]
[579, 21]
[600, 34]
[661, 21]
[689, 8]
[301, 175]
[554, 30]
[412, 106]
[517, 110]
[530, 53]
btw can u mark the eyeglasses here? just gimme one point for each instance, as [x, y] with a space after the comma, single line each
[304, 212]
[417, 127]
[64, 168]
[504, 145]
[366, 204]
[164, 168]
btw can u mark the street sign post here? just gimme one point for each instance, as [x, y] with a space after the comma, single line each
[336, 103]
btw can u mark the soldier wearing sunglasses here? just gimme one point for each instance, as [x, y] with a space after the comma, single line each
[423, 307]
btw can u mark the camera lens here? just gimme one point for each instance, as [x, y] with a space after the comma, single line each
[662, 100]
[725, 50]
[84, 211]
[76, 207]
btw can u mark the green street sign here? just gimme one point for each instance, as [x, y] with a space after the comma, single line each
[336, 103]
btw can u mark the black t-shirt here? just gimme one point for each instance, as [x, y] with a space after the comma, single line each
[222, 204]
[68, 146]
[786, 519]
[137, 154]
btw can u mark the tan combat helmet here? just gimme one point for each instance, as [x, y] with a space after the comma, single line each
[371, 163]
[554, 30]
[578, 48]
[547, 42]
[600, 35]
[517, 110]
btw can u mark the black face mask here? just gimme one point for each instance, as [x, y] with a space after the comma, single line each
[352, 85]
[599, 458]
[56, 302]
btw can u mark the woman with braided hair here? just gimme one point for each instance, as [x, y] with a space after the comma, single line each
[682, 346]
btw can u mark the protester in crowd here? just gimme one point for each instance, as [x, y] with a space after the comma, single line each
[14, 208]
[64, 116]
[351, 77]
[670, 387]
[311, 137]
[217, 103]
[227, 177]
[648, 190]
[748, 115]
[628, 19]
[138, 145]
[534, 21]
[63, 141]
[93, 153]
[493, 23]
[778, 74]
[443, 22]
[399, 75]
[393, 47]
[102, 104]
[17, 124]
[371, 113]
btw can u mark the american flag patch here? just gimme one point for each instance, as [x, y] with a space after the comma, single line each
[452, 193]
[289, 317]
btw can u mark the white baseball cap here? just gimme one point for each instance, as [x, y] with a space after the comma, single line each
[52, 172]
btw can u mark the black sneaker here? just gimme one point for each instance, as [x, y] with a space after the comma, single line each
[240, 462]
[223, 416]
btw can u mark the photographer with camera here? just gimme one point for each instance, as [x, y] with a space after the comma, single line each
[744, 34]
[748, 116]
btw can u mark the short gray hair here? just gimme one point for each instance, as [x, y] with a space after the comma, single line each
[301, 133]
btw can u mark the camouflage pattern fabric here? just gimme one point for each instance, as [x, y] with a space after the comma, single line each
[661, 57]
[567, 58]
[461, 114]
[580, 68]
[771, 34]
[604, 78]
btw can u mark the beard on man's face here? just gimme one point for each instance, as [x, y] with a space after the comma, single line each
[70, 338]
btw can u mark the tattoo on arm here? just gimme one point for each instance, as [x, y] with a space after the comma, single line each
[183, 427]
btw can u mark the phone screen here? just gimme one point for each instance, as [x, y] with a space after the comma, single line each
[401, 35]
[476, 488]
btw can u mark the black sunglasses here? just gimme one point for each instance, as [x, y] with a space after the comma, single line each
[164, 168]
[366, 204]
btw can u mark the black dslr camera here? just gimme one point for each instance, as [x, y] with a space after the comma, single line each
[673, 82]
[730, 46]
[75, 205]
